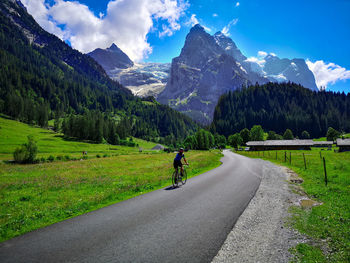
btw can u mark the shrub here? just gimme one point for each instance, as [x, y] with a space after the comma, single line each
[42, 159]
[105, 155]
[59, 157]
[85, 157]
[332, 134]
[305, 135]
[32, 149]
[20, 154]
[98, 156]
[67, 157]
[27, 152]
[51, 158]
[288, 135]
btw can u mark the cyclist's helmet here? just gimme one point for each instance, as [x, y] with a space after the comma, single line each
[181, 149]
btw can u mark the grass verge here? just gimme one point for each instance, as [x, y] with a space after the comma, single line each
[14, 134]
[34, 196]
[329, 223]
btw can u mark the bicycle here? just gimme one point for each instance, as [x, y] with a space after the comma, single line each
[178, 178]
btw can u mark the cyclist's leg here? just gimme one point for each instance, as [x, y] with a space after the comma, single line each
[182, 169]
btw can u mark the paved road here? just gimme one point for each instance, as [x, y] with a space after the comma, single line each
[187, 224]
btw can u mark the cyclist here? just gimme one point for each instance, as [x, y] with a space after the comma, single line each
[177, 160]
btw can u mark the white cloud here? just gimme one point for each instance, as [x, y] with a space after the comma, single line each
[326, 74]
[257, 60]
[126, 23]
[228, 26]
[237, 4]
[215, 15]
[262, 54]
[273, 54]
[194, 21]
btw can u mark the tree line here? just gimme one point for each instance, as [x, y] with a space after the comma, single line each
[281, 106]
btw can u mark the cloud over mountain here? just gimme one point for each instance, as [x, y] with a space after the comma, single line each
[125, 23]
[326, 74]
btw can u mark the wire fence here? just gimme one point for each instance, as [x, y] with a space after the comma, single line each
[316, 160]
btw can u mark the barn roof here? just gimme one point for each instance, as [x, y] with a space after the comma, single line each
[343, 142]
[281, 143]
[323, 143]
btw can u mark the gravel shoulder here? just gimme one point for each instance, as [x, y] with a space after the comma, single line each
[261, 234]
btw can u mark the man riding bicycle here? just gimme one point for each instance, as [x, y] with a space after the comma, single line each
[177, 160]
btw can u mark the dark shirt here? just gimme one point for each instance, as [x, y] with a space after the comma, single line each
[179, 156]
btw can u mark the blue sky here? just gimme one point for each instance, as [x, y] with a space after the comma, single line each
[318, 30]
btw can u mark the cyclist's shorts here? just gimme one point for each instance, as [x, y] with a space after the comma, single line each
[177, 164]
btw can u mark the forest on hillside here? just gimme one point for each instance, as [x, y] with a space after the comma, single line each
[44, 78]
[280, 106]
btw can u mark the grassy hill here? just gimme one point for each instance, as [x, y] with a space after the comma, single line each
[14, 133]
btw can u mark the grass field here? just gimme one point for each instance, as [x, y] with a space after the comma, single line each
[14, 133]
[33, 196]
[37, 195]
[329, 223]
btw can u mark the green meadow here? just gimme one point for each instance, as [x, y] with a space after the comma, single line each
[14, 133]
[36, 195]
[329, 223]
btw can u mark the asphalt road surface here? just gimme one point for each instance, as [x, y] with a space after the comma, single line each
[186, 224]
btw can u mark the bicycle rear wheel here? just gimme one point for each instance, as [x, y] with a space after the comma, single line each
[175, 179]
[184, 177]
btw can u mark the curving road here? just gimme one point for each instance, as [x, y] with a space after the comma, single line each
[187, 224]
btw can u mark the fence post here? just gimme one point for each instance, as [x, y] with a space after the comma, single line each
[304, 160]
[290, 157]
[263, 153]
[325, 171]
[320, 154]
[285, 156]
[276, 155]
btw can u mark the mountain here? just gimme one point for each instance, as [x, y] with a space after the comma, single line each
[209, 66]
[295, 70]
[229, 46]
[112, 57]
[280, 106]
[274, 69]
[42, 77]
[201, 74]
[143, 79]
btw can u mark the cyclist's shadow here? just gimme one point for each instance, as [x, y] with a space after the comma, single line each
[169, 188]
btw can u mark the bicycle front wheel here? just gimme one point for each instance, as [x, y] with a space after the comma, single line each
[184, 177]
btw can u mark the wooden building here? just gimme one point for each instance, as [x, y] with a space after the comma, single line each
[323, 144]
[271, 145]
[343, 144]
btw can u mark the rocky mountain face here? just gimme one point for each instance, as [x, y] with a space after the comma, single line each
[143, 79]
[209, 66]
[293, 70]
[205, 69]
[112, 57]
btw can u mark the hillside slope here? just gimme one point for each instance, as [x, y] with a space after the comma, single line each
[41, 77]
